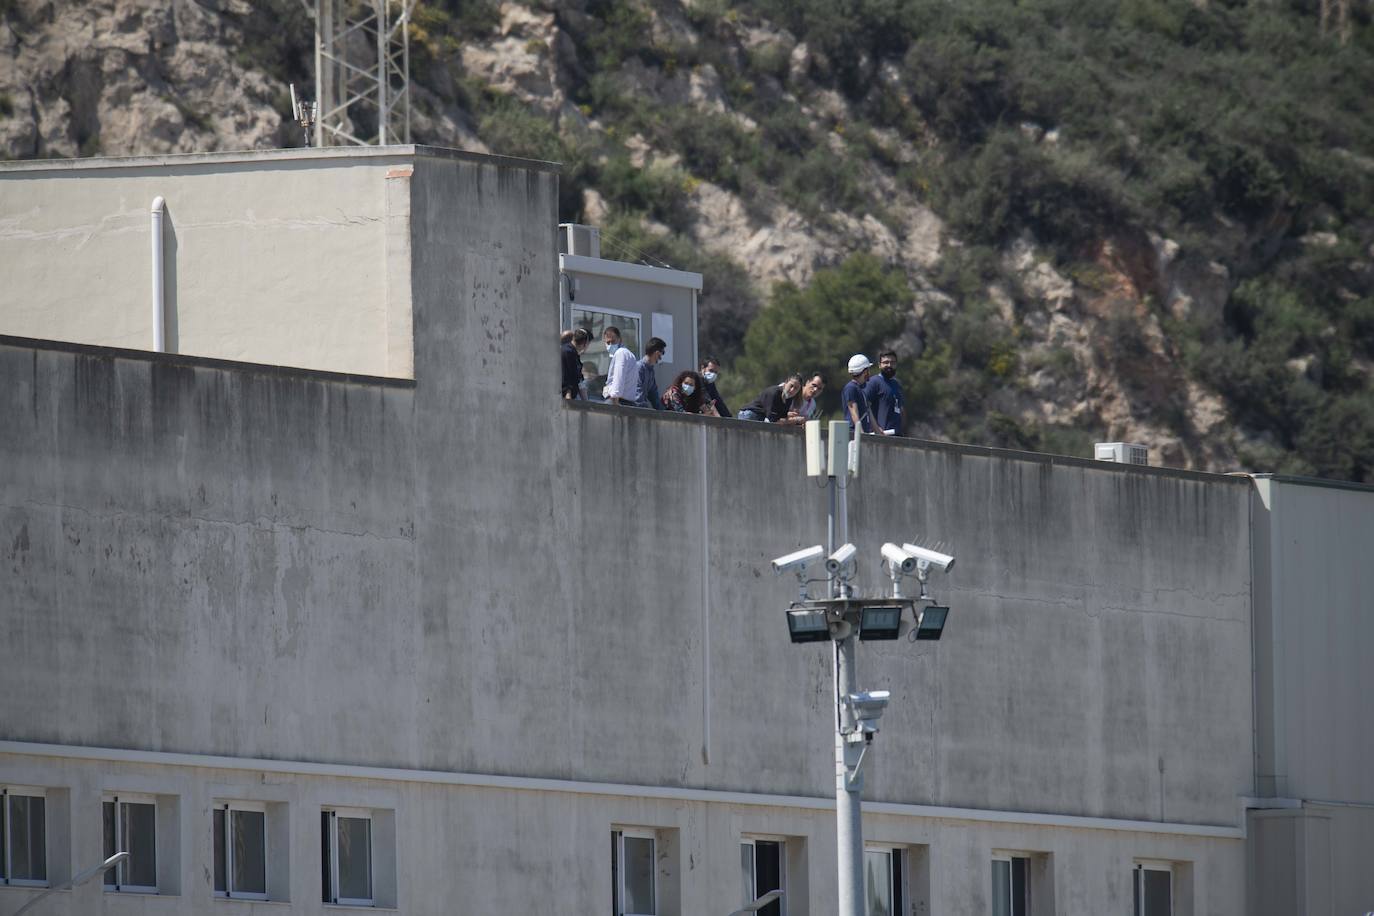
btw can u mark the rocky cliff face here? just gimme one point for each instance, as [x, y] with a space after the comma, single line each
[122, 77]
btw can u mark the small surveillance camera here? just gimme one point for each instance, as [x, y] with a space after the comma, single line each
[840, 557]
[898, 559]
[798, 559]
[933, 557]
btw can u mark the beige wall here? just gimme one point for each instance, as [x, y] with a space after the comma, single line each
[292, 257]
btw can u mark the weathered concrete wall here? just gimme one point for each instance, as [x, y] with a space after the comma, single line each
[273, 257]
[468, 575]
[471, 849]
[1314, 621]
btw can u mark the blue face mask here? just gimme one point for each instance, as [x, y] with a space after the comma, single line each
[709, 377]
[612, 347]
[688, 388]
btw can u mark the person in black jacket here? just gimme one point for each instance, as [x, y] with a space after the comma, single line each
[774, 402]
[574, 345]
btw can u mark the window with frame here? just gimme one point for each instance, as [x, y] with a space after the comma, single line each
[761, 871]
[23, 836]
[346, 847]
[1152, 887]
[884, 882]
[1011, 885]
[240, 850]
[130, 824]
[596, 321]
[634, 891]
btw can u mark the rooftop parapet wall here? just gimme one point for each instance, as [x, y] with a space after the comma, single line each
[288, 257]
[466, 574]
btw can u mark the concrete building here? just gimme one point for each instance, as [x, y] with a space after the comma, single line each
[390, 624]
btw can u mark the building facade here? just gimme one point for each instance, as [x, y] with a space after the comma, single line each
[404, 630]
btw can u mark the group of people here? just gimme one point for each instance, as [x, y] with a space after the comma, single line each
[872, 402]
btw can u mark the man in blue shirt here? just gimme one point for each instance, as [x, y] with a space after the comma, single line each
[852, 399]
[884, 395]
[648, 381]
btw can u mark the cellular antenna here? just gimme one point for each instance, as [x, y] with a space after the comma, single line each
[304, 113]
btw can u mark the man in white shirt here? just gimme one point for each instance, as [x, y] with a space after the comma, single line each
[622, 378]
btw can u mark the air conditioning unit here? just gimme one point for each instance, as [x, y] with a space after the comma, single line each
[1122, 452]
[579, 240]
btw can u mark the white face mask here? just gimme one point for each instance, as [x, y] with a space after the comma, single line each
[688, 388]
[709, 377]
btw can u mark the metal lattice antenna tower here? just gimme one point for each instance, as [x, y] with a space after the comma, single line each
[362, 71]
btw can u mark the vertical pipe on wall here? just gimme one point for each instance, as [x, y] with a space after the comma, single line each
[159, 288]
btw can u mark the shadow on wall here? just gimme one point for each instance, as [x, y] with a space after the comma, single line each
[171, 336]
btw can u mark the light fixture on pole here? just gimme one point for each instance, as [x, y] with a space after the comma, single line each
[80, 879]
[840, 618]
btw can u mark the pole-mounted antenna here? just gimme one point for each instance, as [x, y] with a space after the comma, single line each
[304, 113]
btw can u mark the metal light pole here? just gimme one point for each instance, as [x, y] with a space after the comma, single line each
[82, 878]
[841, 618]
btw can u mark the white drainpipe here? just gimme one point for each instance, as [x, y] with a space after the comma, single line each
[159, 313]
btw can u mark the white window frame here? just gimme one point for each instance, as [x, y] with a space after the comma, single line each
[228, 807]
[899, 876]
[130, 798]
[7, 878]
[753, 840]
[639, 833]
[1009, 858]
[359, 814]
[1141, 866]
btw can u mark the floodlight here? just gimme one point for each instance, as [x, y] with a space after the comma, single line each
[931, 622]
[933, 557]
[808, 626]
[869, 705]
[880, 622]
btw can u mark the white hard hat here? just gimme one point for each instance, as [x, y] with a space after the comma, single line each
[858, 363]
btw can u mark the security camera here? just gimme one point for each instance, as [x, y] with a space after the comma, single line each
[840, 557]
[933, 557]
[798, 559]
[898, 559]
[870, 704]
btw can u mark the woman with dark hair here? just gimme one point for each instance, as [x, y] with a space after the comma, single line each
[687, 395]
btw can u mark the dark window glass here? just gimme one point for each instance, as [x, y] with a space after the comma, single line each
[218, 830]
[249, 837]
[1158, 893]
[326, 856]
[355, 858]
[111, 874]
[138, 826]
[768, 873]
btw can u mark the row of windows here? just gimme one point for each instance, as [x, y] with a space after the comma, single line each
[242, 834]
[240, 841]
[763, 866]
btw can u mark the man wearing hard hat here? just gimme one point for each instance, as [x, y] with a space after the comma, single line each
[856, 408]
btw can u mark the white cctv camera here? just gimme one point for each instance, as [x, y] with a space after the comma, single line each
[840, 557]
[870, 704]
[898, 559]
[933, 557]
[798, 559]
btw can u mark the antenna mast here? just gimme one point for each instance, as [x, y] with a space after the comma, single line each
[362, 71]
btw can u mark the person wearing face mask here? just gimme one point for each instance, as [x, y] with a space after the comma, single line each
[710, 371]
[775, 403]
[648, 381]
[622, 378]
[574, 345]
[884, 394]
[687, 394]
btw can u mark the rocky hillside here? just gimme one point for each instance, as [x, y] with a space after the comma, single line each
[1148, 220]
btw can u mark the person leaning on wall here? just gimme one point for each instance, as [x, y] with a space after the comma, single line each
[687, 394]
[775, 403]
